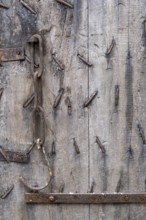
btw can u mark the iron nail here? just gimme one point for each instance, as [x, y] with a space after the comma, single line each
[29, 61]
[30, 148]
[4, 6]
[1, 92]
[8, 191]
[61, 188]
[92, 187]
[141, 133]
[58, 98]
[84, 60]
[65, 3]
[89, 100]
[100, 145]
[28, 101]
[69, 106]
[61, 66]
[116, 95]
[28, 7]
[53, 151]
[76, 146]
[109, 50]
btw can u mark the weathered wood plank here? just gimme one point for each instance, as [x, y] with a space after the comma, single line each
[108, 23]
[137, 43]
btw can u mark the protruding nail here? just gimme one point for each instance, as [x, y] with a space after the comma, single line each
[8, 191]
[58, 98]
[28, 7]
[30, 148]
[69, 105]
[90, 99]
[116, 95]
[109, 50]
[61, 188]
[53, 150]
[92, 187]
[61, 66]
[76, 146]
[28, 101]
[65, 3]
[29, 61]
[141, 133]
[3, 6]
[1, 92]
[100, 145]
[84, 60]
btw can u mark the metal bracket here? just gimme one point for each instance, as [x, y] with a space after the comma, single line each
[12, 54]
[89, 198]
[14, 156]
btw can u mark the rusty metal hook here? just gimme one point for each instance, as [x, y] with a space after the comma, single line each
[34, 188]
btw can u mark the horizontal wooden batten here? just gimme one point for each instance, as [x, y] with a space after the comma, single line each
[89, 198]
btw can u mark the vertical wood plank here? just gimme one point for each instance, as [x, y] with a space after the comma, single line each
[67, 37]
[137, 164]
[108, 20]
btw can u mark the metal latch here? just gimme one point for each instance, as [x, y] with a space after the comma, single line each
[88, 198]
[11, 54]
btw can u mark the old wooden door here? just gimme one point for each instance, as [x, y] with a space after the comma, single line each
[89, 46]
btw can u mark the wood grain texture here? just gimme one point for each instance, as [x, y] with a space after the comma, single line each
[88, 29]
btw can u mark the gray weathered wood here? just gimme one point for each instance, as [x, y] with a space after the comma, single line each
[86, 29]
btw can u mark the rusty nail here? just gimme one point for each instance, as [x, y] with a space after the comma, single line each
[61, 66]
[61, 188]
[4, 6]
[76, 146]
[58, 98]
[28, 101]
[28, 7]
[29, 61]
[1, 92]
[141, 133]
[109, 50]
[100, 145]
[30, 148]
[69, 105]
[84, 60]
[116, 95]
[8, 191]
[4, 155]
[53, 151]
[65, 3]
[92, 187]
[90, 99]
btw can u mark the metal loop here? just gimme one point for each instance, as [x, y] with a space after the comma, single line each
[33, 39]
